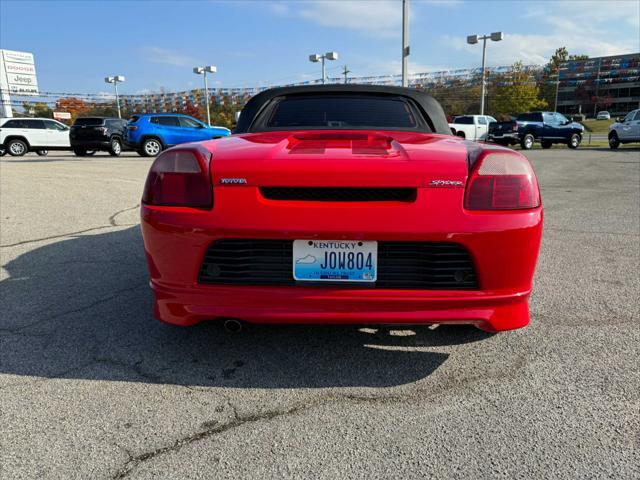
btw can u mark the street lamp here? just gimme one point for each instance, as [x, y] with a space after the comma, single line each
[327, 56]
[203, 71]
[472, 40]
[115, 80]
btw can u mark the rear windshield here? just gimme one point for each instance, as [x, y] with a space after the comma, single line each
[341, 112]
[134, 118]
[463, 120]
[89, 121]
[530, 117]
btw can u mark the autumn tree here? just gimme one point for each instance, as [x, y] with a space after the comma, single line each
[191, 110]
[75, 106]
[515, 92]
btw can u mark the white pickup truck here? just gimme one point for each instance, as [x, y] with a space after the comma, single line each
[471, 127]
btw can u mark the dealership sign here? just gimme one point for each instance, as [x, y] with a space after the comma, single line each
[62, 115]
[18, 73]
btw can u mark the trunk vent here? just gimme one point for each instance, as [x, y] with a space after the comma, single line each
[340, 194]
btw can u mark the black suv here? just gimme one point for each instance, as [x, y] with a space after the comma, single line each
[91, 134]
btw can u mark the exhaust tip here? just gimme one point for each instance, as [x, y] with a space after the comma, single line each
[231, 325]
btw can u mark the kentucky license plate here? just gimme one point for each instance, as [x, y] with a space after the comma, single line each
[335, 260]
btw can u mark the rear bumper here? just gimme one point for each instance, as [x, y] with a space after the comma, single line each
[96, 144]
[511, 137]
[503, 246]
[314, 305]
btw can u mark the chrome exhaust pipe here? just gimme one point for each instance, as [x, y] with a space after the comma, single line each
[231, 325]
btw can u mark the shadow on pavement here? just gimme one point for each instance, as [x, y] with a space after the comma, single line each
[81, 308]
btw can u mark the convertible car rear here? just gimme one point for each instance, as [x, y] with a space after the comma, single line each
[342, 204]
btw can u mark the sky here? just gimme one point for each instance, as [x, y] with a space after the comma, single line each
[155, 44]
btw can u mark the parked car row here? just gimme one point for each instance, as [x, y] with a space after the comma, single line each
[150, 134]
[147, 134]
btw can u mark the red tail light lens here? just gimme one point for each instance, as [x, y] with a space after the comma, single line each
[132, 127]
[502, 181]
[180, 178]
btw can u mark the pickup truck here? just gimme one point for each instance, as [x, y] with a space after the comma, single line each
[471, 127]
[546, 127]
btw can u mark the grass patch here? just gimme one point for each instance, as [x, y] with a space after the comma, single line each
[598, 126]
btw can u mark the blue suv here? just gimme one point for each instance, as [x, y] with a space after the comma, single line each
[150, 133]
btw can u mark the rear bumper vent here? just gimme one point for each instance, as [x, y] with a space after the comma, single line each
[401, 265]
[340, 194]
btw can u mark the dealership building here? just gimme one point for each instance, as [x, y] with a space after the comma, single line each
[602, 83]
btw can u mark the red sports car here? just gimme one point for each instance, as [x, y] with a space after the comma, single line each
[342, 204]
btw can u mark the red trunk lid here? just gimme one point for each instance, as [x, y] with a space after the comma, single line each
[338, 158]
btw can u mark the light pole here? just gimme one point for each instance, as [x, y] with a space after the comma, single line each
[115, 80]
[555, 104]
[472, 40]
[405, 41]
[203, 71]
[327, 56]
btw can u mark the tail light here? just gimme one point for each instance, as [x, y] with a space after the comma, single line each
[132, 127]
[515, 126]
[180, 178]
[502, 181]
[103, 130]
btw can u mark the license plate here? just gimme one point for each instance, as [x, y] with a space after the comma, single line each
[335, 260]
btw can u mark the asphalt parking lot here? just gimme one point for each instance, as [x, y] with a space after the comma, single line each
[92, 387]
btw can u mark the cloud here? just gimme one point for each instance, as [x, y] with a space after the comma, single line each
[382, 18]
[309, 259]
[583, 27]
[168, 57]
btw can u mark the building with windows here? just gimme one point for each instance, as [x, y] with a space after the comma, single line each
[602, 83]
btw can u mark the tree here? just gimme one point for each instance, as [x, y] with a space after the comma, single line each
[549, 78]
[39, 109]
[515, 92]
[75, 106]
[191, 110]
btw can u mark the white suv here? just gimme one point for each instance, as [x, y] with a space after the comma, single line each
[625, 131]
[21, 135]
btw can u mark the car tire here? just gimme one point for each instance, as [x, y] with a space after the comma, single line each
[546, 144]
[527, 141]
[79, 152]
[3, 151]
[17, 147]
[151, 147]
[115, 147]
[42, 153]
[614, 141]
[574, 141]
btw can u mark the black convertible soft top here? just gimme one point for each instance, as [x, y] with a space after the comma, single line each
[429, 106]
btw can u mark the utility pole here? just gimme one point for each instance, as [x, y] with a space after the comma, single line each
[345, 72]
[405, 41]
